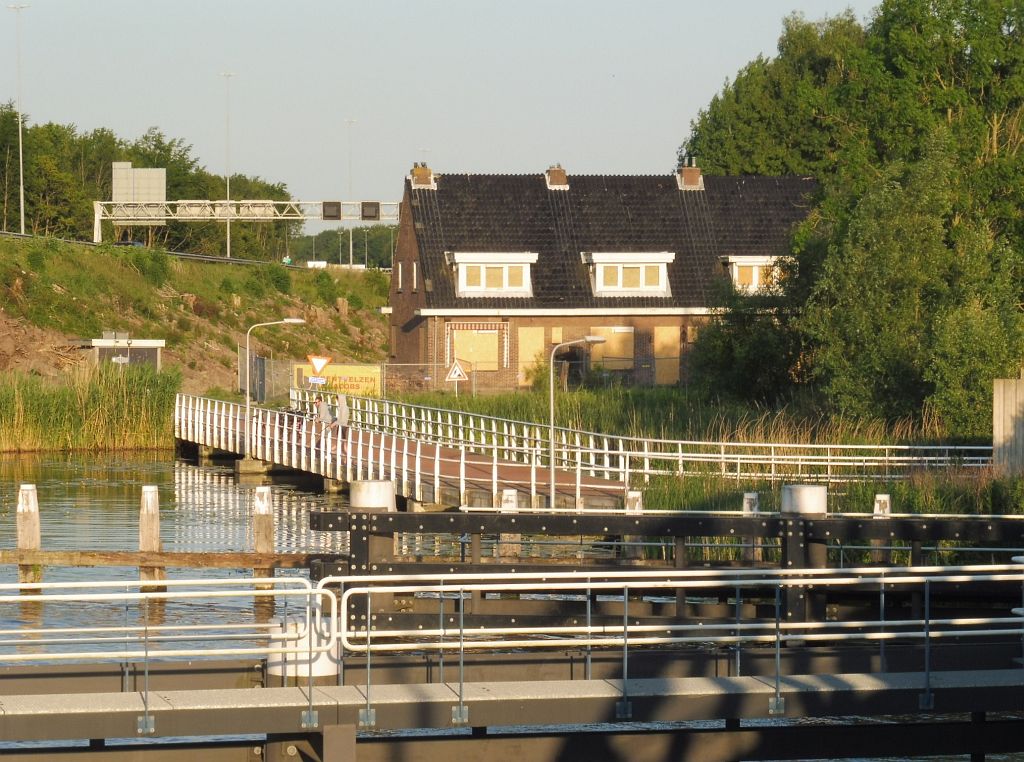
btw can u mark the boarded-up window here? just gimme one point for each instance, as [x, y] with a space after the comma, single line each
[530, 350]
[609, 276]
[666, 354]
[556, 334]
[744, 275]
[473, 276]
[631, 277]
[479, 348]
[495, 277]
[515, 276]
[652, 276]
[616, 353]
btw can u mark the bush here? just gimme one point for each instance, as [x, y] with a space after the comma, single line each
[154, 265]
[278, 277]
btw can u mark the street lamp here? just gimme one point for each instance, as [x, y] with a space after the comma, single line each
[551, 406]
[248, 395]
[227, 152]
[21, 160]
[349, 123]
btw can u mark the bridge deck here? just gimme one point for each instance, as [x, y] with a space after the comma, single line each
[565, 702]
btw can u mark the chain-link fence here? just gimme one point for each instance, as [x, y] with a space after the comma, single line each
[270, 377]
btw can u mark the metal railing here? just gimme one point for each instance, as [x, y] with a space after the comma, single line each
[629, 460]
[203, 619]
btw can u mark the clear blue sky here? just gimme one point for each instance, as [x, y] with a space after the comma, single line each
[466, 85]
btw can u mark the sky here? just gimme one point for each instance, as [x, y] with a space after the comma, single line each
[465, 85]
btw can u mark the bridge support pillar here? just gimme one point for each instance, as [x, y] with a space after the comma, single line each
[249, 466]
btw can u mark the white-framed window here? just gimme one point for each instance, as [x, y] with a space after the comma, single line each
[752, 274]
[493, 273]
[629, 273]
[415, 285]
[398, 276]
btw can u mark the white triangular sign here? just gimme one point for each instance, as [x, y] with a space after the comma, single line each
[456, 373]
[318, 363]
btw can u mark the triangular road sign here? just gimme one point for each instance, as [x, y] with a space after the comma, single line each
[456, 373]
[318, 363]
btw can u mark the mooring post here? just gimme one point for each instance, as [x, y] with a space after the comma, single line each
[28, 532]
[262, 531]
[149, 534]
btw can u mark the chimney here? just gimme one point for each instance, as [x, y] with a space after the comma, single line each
[556, 178]
[688, 175]
[422, 177]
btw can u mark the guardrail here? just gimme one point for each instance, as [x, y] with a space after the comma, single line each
[626, 459]
[215, 618]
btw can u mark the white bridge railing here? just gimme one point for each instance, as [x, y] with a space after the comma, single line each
[629, 459]
[305, 631]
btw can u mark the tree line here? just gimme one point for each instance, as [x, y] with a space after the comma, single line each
[902, 293]
[67, 169]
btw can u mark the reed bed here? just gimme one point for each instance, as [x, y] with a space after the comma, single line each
[681, 414]
[100, 408]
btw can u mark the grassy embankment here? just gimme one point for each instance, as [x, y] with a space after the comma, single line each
[201, 310]
[678, 414]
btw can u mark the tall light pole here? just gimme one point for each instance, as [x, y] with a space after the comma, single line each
[248, 394]
[349, 123]
[21, 155]
[551, 404]
[227, 152]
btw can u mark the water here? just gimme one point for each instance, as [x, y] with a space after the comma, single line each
[91, 502]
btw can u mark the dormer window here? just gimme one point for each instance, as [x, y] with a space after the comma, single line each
[751, 274]
[492, 273]
[629, 273]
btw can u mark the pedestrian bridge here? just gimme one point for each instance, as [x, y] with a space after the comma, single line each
[460, 459]
[320, 670]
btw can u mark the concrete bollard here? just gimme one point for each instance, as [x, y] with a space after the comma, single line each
[632, 547]
[149, 535]
[263, 530]
[29, 536]
[510, 544]
[284, 669]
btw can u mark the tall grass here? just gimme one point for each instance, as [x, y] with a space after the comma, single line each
[948, 491]
[90, 408]
[670, 413]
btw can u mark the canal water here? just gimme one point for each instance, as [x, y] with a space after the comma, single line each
[91, 502]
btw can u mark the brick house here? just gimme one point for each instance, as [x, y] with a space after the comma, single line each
[496, 269]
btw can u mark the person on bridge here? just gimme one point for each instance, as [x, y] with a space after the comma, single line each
[324, 416]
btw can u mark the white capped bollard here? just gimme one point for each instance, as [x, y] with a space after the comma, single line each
[296, 666]
[372, 495]
[28, 532]
[751, 503]
[804, 498]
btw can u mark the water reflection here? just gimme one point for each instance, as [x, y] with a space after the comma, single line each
[91, 502]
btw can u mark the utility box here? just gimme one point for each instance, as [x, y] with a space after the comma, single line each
[119, 348]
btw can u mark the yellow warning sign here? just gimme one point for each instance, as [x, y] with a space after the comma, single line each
[362, 380]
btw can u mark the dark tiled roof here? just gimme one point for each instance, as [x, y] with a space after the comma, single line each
[517, 213]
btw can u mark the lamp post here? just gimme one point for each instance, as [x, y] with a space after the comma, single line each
[248, 395]
[349, 123]
[227, 152]
[21, 156]
[551, 404]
